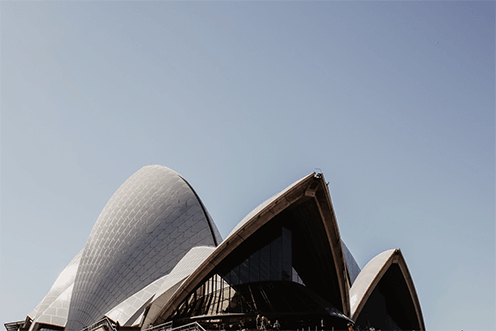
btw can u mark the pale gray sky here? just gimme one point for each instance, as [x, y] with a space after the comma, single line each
[393, 101]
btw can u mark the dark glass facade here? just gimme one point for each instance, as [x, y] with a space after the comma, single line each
[273, 262]
[263, 282]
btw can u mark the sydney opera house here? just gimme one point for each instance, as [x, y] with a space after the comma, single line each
[156, 261]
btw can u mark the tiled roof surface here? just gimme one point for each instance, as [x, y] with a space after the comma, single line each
[147, 226]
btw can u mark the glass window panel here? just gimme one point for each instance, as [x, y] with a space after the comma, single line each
[244, 270]
[296, 278]
[227, 277]
[213, 302]
[275, 259]
[264, 270]
[286, 254]
[255, 267]
[205, 298]
[224, 305]
[235, 276]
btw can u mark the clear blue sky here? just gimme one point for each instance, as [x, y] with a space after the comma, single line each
[393, 101]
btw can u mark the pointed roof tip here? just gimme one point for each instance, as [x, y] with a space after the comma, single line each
[261, 208]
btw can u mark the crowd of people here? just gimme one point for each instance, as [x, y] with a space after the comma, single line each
[263, 324]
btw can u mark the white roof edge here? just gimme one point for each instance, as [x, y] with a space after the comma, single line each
[265, 204]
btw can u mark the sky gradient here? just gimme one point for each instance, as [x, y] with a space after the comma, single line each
[393, 101]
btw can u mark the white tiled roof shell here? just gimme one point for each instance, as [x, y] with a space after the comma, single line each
[57, 312]
[147, 226]
[367, 276]
[128, 312]
[181, 271]
[62, 283]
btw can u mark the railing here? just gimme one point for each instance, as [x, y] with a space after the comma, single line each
[161, 327]
[195, 326]
[105, 323]
[313, 329]
[14, 326]
[19, 325]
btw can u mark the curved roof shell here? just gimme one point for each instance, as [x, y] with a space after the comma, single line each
[130, 311]
[147, 226]
[54, 307]
[171, 283]
[399, 282]
[311, 189]
[58, 311]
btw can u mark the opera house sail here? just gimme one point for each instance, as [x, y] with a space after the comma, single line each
[156, 261]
